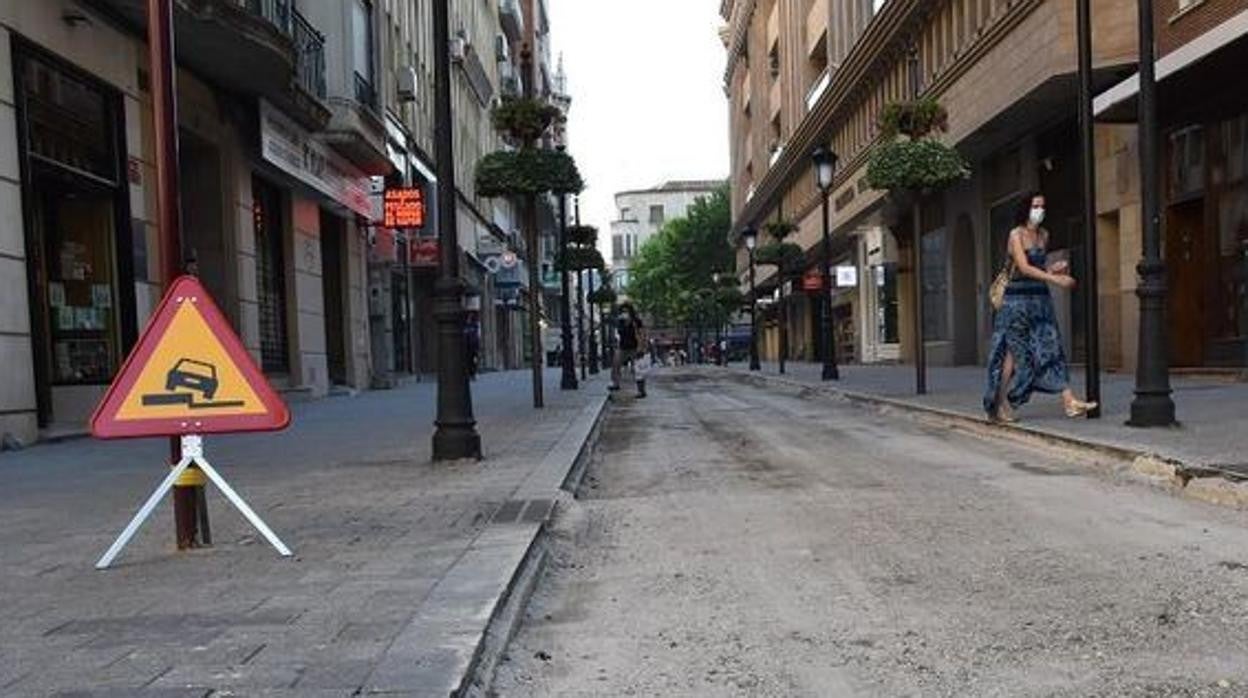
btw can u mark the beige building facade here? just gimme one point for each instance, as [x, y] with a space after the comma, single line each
[801, 73]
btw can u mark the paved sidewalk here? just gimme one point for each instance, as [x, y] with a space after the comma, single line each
[398, 562]
[1211, 409]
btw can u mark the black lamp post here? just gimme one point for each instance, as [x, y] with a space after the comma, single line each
[1152, 406]
[825, 166]
[592, 336]
[750, 235]
[568, 379]
[456, 434]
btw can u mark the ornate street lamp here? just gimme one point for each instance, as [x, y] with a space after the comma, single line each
[825, 167]
[456, 434]
[1153, 405]
[567, 380]
[750, 235]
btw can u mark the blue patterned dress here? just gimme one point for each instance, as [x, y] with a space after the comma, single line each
[1026, 327]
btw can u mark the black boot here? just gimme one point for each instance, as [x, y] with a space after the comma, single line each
[641, 389]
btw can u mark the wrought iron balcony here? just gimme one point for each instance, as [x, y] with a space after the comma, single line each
[365, 93]
[309, 56]
[259, 47]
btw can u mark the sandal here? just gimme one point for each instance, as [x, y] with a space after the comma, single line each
[1079, 408]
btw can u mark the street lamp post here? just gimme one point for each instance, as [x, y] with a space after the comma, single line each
[1152, 406]
[456, 434]
[750, 235]
[1091, 327]
[825, 166]
[593, 336]
[568, 379]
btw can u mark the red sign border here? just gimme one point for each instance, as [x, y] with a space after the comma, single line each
[105, 425]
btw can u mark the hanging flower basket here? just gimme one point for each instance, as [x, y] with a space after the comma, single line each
[787, 256]
[916, 119]
[603, 296]
[524, 120]
[580, 259]
[779, 230]
[586, 235]
[527, 171]
[915, 165]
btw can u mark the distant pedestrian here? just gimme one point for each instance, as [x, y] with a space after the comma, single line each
[1026, 354]
[629, 332]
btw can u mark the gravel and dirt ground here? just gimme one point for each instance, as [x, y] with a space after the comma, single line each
[732, 540]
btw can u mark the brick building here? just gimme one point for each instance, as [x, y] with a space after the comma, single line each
[806, 72]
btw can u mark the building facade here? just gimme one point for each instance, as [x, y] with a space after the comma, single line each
[1203, 119]
[803, 73]
[640, 214]
[293, 117]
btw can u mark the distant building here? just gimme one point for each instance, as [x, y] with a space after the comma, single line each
[642, 213]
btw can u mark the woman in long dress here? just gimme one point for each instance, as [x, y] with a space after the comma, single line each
[1026, 354]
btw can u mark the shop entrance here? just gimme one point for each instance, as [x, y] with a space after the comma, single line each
[1187, 266]
[79, 253]
[333, 285]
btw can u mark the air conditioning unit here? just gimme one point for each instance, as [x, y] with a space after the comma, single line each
[502, 50]
[408, 84]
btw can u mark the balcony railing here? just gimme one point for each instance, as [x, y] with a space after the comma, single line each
[365, 93]
[279, 13]
[309, 56]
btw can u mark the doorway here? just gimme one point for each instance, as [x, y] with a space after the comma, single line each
[333, 285]
[401, 314]
[203, 225]
[1185, 265]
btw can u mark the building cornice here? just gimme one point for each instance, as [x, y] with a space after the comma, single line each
[885, 38]
[742, 11]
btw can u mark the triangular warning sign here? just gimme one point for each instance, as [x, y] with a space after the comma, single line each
[189, 374]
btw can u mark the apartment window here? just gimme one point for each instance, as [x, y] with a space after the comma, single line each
[617, 246]
[626, 213]
[362, 52]
[657, 215]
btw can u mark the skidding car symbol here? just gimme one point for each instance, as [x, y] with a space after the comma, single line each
[193, 375]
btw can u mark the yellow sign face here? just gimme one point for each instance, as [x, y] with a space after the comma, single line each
[189, 375]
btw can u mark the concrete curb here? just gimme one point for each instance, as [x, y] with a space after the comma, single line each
[460, 630]
[1195, 481]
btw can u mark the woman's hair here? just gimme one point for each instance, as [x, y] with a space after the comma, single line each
[1022, 213]
[628, 308]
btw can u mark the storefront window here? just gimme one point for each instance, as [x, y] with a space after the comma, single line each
[885, 278]
[1233, 231]
[936, 286]
[81, 285]
[70, 128]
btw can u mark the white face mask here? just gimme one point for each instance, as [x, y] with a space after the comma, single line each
[1037, 215]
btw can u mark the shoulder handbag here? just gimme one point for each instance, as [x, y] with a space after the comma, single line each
[996, 292]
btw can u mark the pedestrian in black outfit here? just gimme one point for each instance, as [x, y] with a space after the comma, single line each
[628, 330]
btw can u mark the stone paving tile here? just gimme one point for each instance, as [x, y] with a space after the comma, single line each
[373, 524]
[1209, 408]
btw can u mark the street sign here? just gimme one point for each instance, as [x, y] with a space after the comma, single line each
[189, 374]
[846, 276]
[404, 207]
[423, 252]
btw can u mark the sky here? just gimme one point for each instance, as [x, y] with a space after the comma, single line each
[648, 104]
